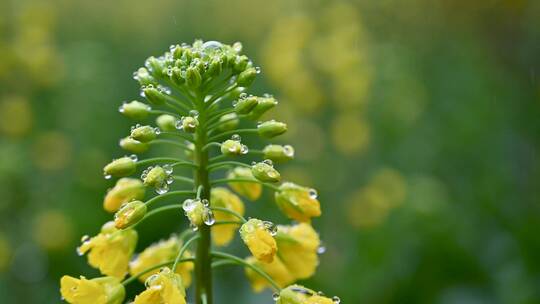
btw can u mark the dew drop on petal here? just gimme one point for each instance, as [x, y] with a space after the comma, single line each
[321, 249]
[275, 296]
[313, 193]
[336, 299]
[194, 113]
[209, 218]
[162, 189]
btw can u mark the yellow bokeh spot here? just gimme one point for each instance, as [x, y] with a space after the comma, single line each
[51, 151]
[15, 116]
[48, 221]
[350, 133]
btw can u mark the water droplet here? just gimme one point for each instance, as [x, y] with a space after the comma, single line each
[168, 168]
[336, 299]
[134, 157]
[194, 113]
[193, 227]
[313, 193]
[157, 131]
[161, 189]
[253, 163]
[212, 45]
[169, 180]
[151, 280]
[79, 251]
[236, 137]
[179, 124]
[321, 249]
[243, 95]
[205, 202]
[268, 162]
[244, 149]
[188, 205]
[234, 103]
[271, 227]
[275, 296]
[121, 108]
[258, 70]
[320, 293]
[288, 150]
[209, 218]
[107, 176]
[85, 238]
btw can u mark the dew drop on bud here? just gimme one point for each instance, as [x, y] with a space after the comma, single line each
[188, 205]
[243, 95]
[107, 176]
[194, 113]
[169, 180]
[193, 227]
[134, 157]
[253, 163]
[168, 168]
[321, 249]
[244, 149]
[157, 131]
[236, 137]
[275, 296]
[258, 70]
[313, 193]
[85, 238]
[179, 124]
[205, 202]
[336, 299]
[268, 162]
[162, 189]
[121, 109]
[209, 218]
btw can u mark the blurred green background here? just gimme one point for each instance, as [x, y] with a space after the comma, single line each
[418, 121]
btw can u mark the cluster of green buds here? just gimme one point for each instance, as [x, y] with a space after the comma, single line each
[197, 105]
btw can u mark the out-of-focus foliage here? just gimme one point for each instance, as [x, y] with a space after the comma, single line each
[423, 119]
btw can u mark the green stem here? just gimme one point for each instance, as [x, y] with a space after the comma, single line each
[240, 261]
[203, 267]
[182, 250]
[212, 167]
[169, 142]
[243, 180]
[183, 179]
[229, 211]
[178, 134]
[136, 276]
[210, 144]
[165, 195]
[227, 223]
[160, 112]
[155, 211]
[220, 263]
[150, 161]
[232, 132]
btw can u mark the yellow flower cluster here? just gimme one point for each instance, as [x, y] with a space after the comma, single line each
[163, 287]
[258, 238]
[110, 250]
[159, 253]
[222, 197]
[296, 259]
[104, 290]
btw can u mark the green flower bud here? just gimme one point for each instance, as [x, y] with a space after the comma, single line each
[232, 147]
[240, 63]
[154, 176]
[177, 76]
[155, 66]
[144, 133]
[264, 104]
[228, 122]
[215, 67]
[245, 105]
[278, 153]
[120, 167]
[193, 77]
[247, 77]
[177, 51]
[133, 145]
[129, 214]
[153, 95]
[166, 122]
[143, 77]
[189, 124]
[271, 128]
[135, 110]
[297, 294]
[265, 172]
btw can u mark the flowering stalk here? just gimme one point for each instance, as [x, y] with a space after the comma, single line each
[199, 93]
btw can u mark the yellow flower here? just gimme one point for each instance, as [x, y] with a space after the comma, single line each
[251, 191]
[222, 197]
[125, 190]
[110, 250]
[195, 211]
[276, 270]
[259, 240]
[162, 252]
[297, 249]
[297, 294]
[297, 202]
[163, 287]
[104, 290]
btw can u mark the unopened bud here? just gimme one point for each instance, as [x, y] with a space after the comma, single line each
[120, 167]
[271, 128]
[144, 133]
[133, 145]
[135, 110]
[264, 104]
[245, 105]
[265, 172]
[247, 77]
[278, 153]
[228, 122]
[156, 177]
[153, 95]
[189, 124]
[166, 122]
[193, 77]
[129, 214]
